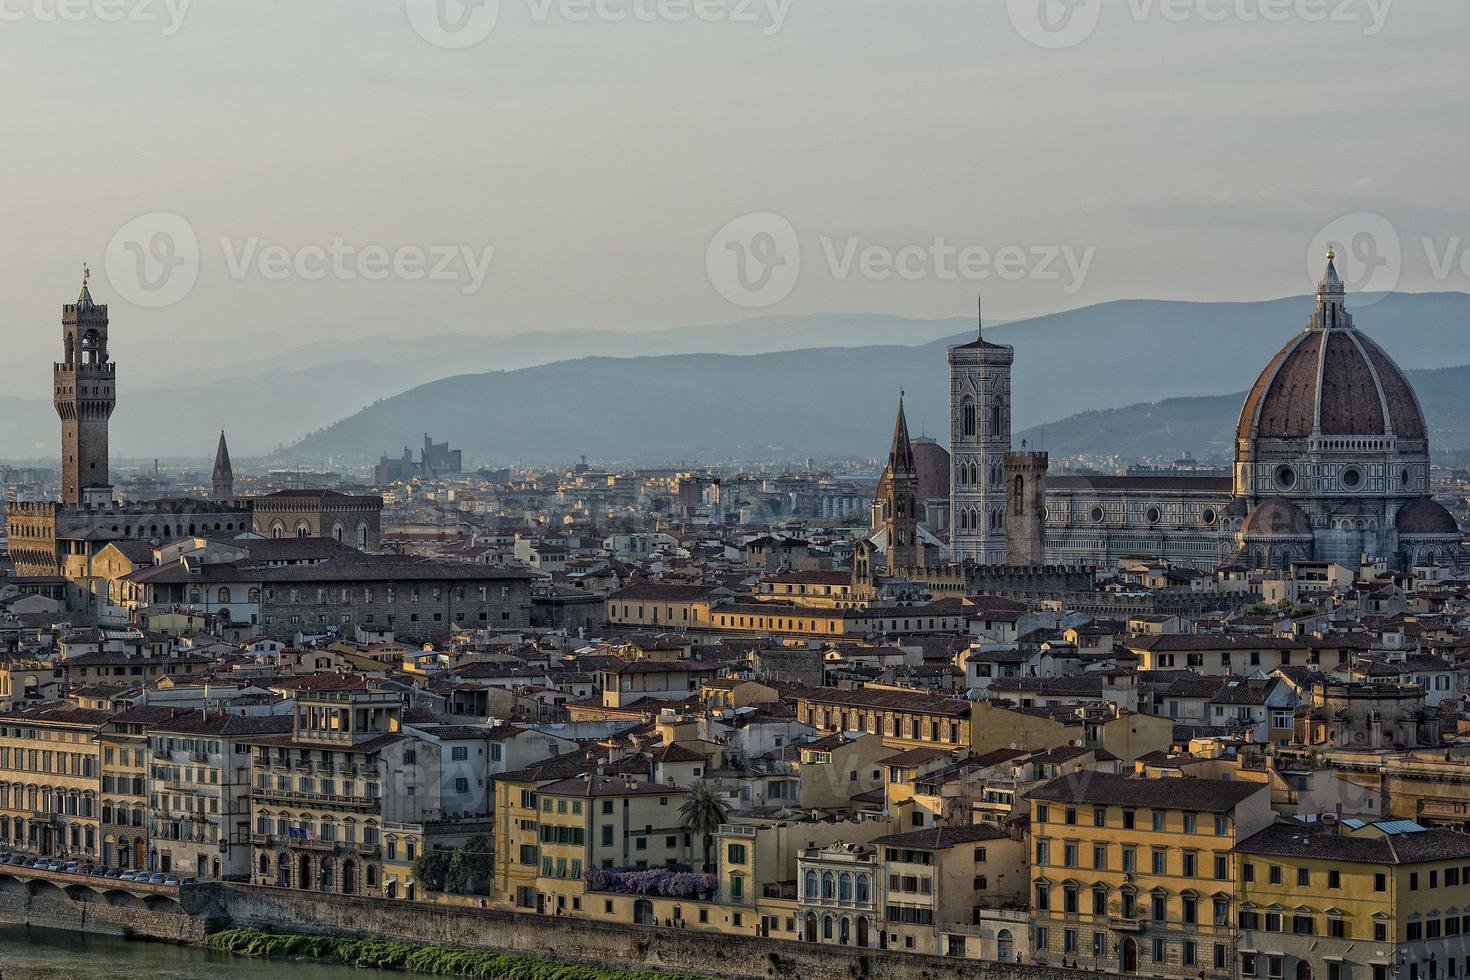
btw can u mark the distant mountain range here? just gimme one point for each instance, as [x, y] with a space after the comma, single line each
[804, 385]
[1073, 370]
[193, 389]
[1206, 425]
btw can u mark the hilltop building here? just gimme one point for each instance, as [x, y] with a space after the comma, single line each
[435, 459]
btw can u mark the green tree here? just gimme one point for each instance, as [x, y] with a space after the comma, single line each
[470, 867]
[431, 868]
[702, 811]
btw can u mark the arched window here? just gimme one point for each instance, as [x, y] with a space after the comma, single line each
[302, 530]
[844, 887]
[224, 595]
[967, 416]
[1018, 495]
[362, 536]
[810, 881]
[997, 418]
[337, 532]
[863, 889]
[828, 882]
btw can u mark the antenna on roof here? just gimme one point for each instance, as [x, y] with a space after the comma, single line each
[980, 316]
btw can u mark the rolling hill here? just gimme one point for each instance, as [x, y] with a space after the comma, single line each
[1077, 366]
[1206, 425]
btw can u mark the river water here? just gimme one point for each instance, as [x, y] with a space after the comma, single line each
[41, 954]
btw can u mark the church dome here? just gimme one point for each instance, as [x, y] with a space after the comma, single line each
[1425, 516]
[932, 462]
[1331, 380]
[1277, 518]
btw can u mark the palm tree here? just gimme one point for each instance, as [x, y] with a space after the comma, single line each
[702, 812]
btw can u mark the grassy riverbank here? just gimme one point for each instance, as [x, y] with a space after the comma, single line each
[418, 959]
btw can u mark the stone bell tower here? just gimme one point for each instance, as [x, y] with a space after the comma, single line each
[1025, 478]
[979, 438]
[85, 393]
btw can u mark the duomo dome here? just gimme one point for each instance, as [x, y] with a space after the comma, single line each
[1332, 452]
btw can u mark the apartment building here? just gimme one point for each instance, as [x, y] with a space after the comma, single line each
[1137, 875]
[199, 791]
[50, 781]
[953, 891]
[1354, 900]
[609, 822]
[322, 792]
[904, 719]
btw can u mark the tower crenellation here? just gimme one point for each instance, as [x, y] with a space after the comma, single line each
[84, 394]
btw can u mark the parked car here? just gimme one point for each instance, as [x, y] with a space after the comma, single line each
[171, 880]
[128, 876]
[113, 873]
[71, 867]
[156, 878]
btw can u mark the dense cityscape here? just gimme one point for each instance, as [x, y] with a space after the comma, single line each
[735, 490]
[1167, 721]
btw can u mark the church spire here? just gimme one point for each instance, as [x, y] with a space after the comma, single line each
[224, 475]
[1331, 312]
[901, 453]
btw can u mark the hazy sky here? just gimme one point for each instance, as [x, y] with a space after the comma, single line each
[1180, 150]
